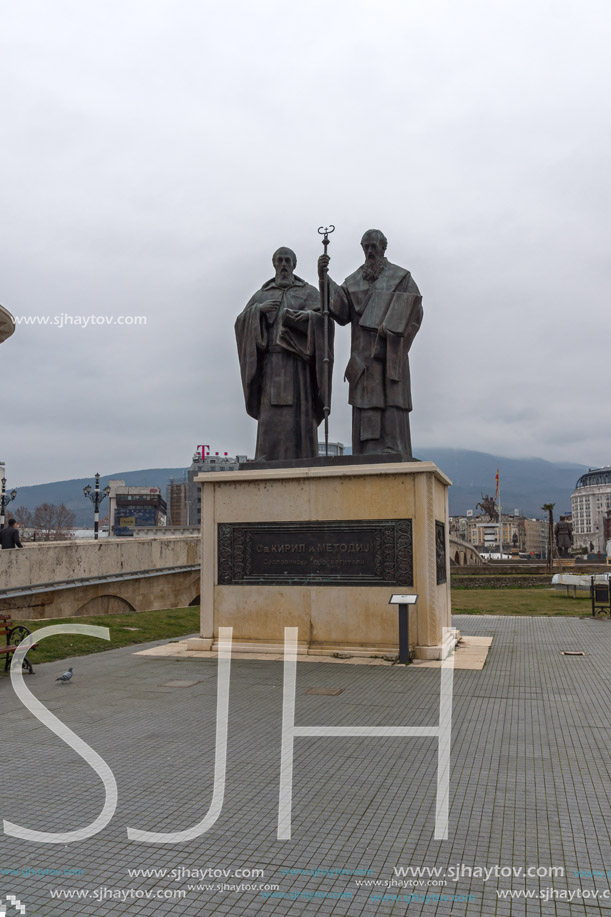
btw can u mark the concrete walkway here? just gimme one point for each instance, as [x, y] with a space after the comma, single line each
[530, 784]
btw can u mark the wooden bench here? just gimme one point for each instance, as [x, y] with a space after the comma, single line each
[14, 634]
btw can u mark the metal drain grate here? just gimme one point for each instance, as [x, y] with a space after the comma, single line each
[331, 692]
[572, 653]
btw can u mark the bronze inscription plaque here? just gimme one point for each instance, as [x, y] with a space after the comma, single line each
[372, 552]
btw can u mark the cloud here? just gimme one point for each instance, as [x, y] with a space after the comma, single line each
[154, 155]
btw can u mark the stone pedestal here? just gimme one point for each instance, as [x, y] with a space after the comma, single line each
[323, 549]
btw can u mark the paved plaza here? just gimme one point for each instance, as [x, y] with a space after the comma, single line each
[530, 784]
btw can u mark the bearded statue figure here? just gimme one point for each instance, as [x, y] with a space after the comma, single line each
[383, 305]
[563, 533]
[280, 342]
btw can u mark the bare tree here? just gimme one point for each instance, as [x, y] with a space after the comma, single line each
[64, 523]
[25, 522]
[44, 521]
[53, 523]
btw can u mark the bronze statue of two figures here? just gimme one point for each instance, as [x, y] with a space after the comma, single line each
[285, 345]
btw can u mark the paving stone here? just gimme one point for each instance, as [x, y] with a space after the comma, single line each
[530, 769]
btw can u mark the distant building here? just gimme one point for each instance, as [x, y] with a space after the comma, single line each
[176, 499]
[184, 497]
[536, 537]
[590, 503]
[334, 449]
[531, 534]
[131, 508]
[484, 535]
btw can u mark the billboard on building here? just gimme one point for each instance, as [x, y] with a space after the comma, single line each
[138, 516]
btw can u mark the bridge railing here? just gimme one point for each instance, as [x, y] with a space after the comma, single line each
[64, 561]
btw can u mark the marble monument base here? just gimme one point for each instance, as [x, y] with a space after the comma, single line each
[323, 549]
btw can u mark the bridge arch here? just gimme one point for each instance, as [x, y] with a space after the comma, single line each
[105, 605]
[462, 553]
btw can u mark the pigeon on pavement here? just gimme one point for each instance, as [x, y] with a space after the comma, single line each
[66, 676]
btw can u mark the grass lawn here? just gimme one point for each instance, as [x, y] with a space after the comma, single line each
[540, 600]
[125, 630]
[147, 626]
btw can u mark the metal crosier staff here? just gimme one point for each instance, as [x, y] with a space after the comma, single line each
[324, 295]
[96, 498]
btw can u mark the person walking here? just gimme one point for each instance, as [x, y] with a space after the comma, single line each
[9, 536]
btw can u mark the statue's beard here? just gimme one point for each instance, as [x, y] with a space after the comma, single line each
[373, 268]
[284, 279]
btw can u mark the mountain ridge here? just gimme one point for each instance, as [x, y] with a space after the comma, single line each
[525, 483]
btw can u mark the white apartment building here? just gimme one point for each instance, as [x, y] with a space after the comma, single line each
[590, 502]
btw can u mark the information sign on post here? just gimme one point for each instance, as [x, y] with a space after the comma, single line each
[403, 601]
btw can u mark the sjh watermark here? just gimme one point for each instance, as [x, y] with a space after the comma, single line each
[290, 731]
[11, 904]
[64, 320]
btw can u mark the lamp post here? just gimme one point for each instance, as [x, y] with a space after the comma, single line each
[96, 498]
[5, 499]
[549, 509]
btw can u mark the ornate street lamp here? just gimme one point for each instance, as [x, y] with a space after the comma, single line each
[96, 498]
[5, 499]
[7, 327]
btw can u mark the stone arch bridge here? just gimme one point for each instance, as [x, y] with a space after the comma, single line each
[68, 578]
[461, 553]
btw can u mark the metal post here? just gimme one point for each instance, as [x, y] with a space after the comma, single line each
[96, 507]
[324, 292]
[500, 509]
[96, 498]
[403, 600]
[404, 634]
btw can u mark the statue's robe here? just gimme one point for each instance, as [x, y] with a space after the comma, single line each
[385, 315]
[283, 371]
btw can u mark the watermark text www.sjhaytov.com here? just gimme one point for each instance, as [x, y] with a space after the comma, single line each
[64, 320]
[29, 872]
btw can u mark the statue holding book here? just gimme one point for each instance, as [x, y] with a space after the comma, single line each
[383, 305]
[281, 347]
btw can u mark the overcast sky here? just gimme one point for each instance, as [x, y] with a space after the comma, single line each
[153, 155]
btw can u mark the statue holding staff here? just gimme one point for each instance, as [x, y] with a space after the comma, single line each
[383, 305]
[563, 534]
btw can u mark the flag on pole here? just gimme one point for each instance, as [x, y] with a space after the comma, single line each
[496, 496]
